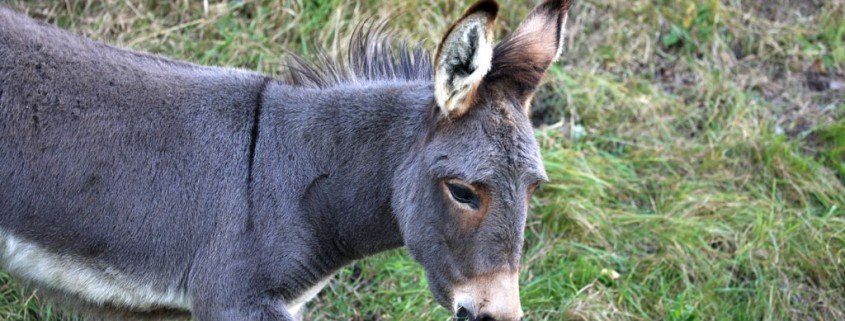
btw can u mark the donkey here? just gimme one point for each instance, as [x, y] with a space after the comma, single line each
[136, 186]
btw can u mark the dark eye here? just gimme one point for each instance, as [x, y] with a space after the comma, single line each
[463, 195]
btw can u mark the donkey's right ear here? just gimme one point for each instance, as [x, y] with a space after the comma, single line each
[463, 58]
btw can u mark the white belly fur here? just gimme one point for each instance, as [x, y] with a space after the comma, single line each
[100, 284]
[93, 282]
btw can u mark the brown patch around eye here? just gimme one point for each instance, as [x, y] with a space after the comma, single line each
[468, 218]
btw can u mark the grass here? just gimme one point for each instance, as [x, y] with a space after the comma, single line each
[695, 150]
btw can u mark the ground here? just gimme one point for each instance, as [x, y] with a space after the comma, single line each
[696, 150]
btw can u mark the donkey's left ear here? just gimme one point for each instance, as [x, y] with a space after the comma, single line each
[463, 58]
[522, 58]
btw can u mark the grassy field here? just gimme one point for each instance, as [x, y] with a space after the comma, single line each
[696, 150]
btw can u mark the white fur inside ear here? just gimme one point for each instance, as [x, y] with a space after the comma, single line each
[465, 57]
[562, 36]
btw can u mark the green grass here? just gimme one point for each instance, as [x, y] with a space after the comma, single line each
[694, 173]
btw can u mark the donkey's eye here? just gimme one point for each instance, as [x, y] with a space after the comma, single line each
[464, 195]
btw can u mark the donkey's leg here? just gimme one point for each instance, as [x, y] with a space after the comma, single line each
[217, 307]
[226, 288]
[259, 311]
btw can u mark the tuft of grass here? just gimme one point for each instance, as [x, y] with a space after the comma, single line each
[696, 172]
[833, 136]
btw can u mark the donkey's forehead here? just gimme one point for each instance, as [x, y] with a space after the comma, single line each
[489, 144]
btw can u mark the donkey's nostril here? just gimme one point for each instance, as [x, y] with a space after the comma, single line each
[463, 314]
[485, 317]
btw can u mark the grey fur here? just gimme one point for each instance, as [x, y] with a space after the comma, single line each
[241, 190]
[372, 56]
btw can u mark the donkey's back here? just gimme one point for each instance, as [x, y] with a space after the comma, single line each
[105, 153]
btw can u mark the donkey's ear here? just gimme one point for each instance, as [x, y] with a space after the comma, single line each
[525, 55]
[463, 58]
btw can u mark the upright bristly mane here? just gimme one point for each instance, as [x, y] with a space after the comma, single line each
[373, 55]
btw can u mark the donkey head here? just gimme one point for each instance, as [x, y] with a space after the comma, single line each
[462, 198]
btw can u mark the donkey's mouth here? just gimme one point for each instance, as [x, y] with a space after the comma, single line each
[489, 297]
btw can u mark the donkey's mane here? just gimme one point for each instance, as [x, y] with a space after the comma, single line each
[372, 55]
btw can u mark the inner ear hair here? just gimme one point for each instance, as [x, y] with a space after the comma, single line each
[463, 58]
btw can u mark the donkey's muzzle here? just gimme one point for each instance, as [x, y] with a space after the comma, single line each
[489, 297]
[464, 314]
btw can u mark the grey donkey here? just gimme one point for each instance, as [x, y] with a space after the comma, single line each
[137, 186]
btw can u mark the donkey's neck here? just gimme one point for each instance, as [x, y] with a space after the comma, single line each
[325, 160]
